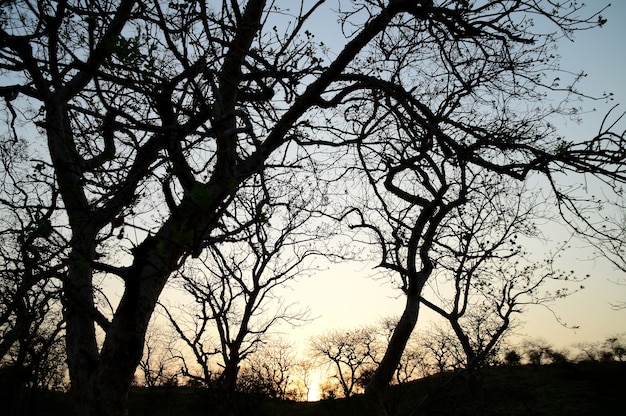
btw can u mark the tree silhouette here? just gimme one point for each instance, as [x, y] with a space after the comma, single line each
[484, 275]
[153, 117]
[349, 354]
[423, 147]
[512, 357]
[233, 284]
[31, 324]
[272, 371]
[157, 364]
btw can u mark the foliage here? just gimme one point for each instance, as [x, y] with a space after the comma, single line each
[512, 357]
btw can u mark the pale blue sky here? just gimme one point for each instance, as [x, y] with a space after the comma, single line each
[601, 53]
[344, 296]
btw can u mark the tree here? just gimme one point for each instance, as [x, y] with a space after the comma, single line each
[616, 345]
[153, 116]
[612, 349]
[271, 371]
[435, 122]
[442, 348]
[485, 277]
[304, 367]
[413, 363]
[512, 357]
[234, 283]
[34, 363]
[350, 354]
[153, 109]
[157, 362]
[539, 352]
[31, 324]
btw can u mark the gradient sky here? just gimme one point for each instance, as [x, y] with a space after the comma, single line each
[345, 297]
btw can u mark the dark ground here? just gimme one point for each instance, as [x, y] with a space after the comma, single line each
[551, 390]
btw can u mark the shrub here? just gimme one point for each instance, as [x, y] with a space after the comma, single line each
[512, 357]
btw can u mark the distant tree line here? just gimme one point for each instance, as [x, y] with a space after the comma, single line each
[346, 358]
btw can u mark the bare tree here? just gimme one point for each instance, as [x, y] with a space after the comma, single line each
[423, 147]
[158, 364]
[235, 282]
[194, 331]
[349, 354]
[414, 362]
[304, 369]
[484, 276]
[31, 322]
[272, 371]
[612, 349]
[442, 349]
[158, 109]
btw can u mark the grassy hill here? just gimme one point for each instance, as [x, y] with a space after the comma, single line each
[550, 390]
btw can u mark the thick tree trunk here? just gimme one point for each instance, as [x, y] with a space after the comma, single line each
[375, 389]
[101, 381]
[229, 377]
[104, 385]
[80, 334]
[476, 390]
[228, 389]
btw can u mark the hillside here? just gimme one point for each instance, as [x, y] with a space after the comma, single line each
[572, 390]
[550, 390]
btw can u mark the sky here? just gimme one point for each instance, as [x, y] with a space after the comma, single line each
[345, 296]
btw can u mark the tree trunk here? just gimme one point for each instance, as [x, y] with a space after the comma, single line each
[101, 382]
[375, 389]
[227, 390]
[80, 334]
[228, 382]
[476, 390]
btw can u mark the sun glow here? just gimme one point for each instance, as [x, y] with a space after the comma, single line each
[314, 391]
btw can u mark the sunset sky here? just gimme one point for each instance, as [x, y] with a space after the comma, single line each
[345, 296]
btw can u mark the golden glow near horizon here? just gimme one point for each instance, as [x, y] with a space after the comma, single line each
[314, 391]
